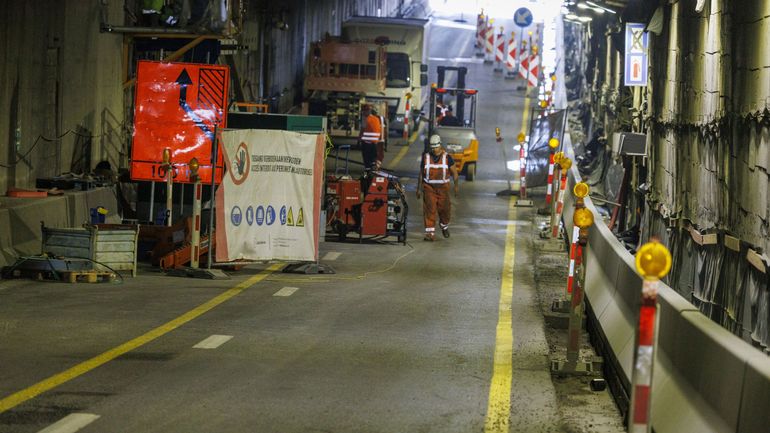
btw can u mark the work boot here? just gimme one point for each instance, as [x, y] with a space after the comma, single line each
[428, 237]
[445, 232]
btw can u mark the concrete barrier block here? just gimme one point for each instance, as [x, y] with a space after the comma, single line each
[617, 323]
[676, 405]
[755, 398]
[713, 361]
[599, 289]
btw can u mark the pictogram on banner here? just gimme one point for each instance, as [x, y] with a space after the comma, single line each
[301, 218]
[178, 106]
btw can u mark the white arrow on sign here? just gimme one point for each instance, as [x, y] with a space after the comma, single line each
[523, 17]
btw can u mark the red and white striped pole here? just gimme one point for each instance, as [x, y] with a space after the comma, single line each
[653, 261]
[510, 61]
[499, 51]
[553, 144]
[489, 44]
[580, 190]
[564, 164]
[583, 218]
[407, 113]
[195, 236]
[481, 26]
[572, 248]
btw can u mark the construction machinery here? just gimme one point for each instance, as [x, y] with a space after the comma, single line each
[338, 77]
[373, 206]
[407, 67]
[453, 117]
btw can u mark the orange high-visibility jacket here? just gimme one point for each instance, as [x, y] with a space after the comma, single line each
[372, 131]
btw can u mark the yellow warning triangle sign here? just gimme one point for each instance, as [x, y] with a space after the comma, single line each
[290, 218]
[301, 218]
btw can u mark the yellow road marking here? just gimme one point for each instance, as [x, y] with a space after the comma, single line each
[403, 151]
[84, 367]
[393, 164]
[499, 406]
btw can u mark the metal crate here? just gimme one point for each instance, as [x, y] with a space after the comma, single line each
[112, 245]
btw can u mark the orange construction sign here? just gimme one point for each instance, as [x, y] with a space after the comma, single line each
[177, 107]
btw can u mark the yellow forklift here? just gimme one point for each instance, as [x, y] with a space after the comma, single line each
[453, 117]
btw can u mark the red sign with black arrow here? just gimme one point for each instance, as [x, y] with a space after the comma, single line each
[178, 106]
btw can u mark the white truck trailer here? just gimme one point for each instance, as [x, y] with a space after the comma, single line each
[407, 68]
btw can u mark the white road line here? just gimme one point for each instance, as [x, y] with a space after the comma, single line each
[331, 255]
[213, 342]
[286, 291]
[71, 423]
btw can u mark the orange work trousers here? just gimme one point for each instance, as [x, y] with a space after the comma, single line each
[435, 198]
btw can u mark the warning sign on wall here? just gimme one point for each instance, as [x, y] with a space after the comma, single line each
[177, 107]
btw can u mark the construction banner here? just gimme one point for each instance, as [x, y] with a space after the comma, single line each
[269, 201]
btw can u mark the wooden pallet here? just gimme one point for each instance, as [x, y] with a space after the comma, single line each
[87, 276]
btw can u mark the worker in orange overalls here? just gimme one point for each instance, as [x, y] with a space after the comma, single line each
[435, 168]
[371, 134]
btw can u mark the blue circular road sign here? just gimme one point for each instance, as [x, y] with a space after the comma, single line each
[523, 17]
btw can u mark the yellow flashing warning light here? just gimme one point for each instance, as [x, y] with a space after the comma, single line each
[653, 260]
[166, 155]
[581, 190]
[553, 143]
[497, 132]
[194, 166]
[408, 95]
[543, 103]
[553, 77]
[521, 137]
[565, 164]
[557, 157]
[433, 85]
[530, 32]
[583, 218]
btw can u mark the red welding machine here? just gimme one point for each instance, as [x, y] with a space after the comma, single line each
[380, 212]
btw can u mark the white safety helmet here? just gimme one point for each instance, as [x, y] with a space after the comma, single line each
[435, 141]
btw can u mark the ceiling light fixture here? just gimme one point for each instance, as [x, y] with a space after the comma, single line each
[597, 6]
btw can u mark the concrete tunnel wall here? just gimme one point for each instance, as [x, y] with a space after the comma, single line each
[706, 115]
[705, 378]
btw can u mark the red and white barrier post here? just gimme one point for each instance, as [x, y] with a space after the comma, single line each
[195, 236]
[481, 28]
[564, 166]
[553, 144]
[499, 51]
[169, 167]
[489, 42]
[510, 59]
[653, 262]
[407, 114]
[583, 219]
[580, 190]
